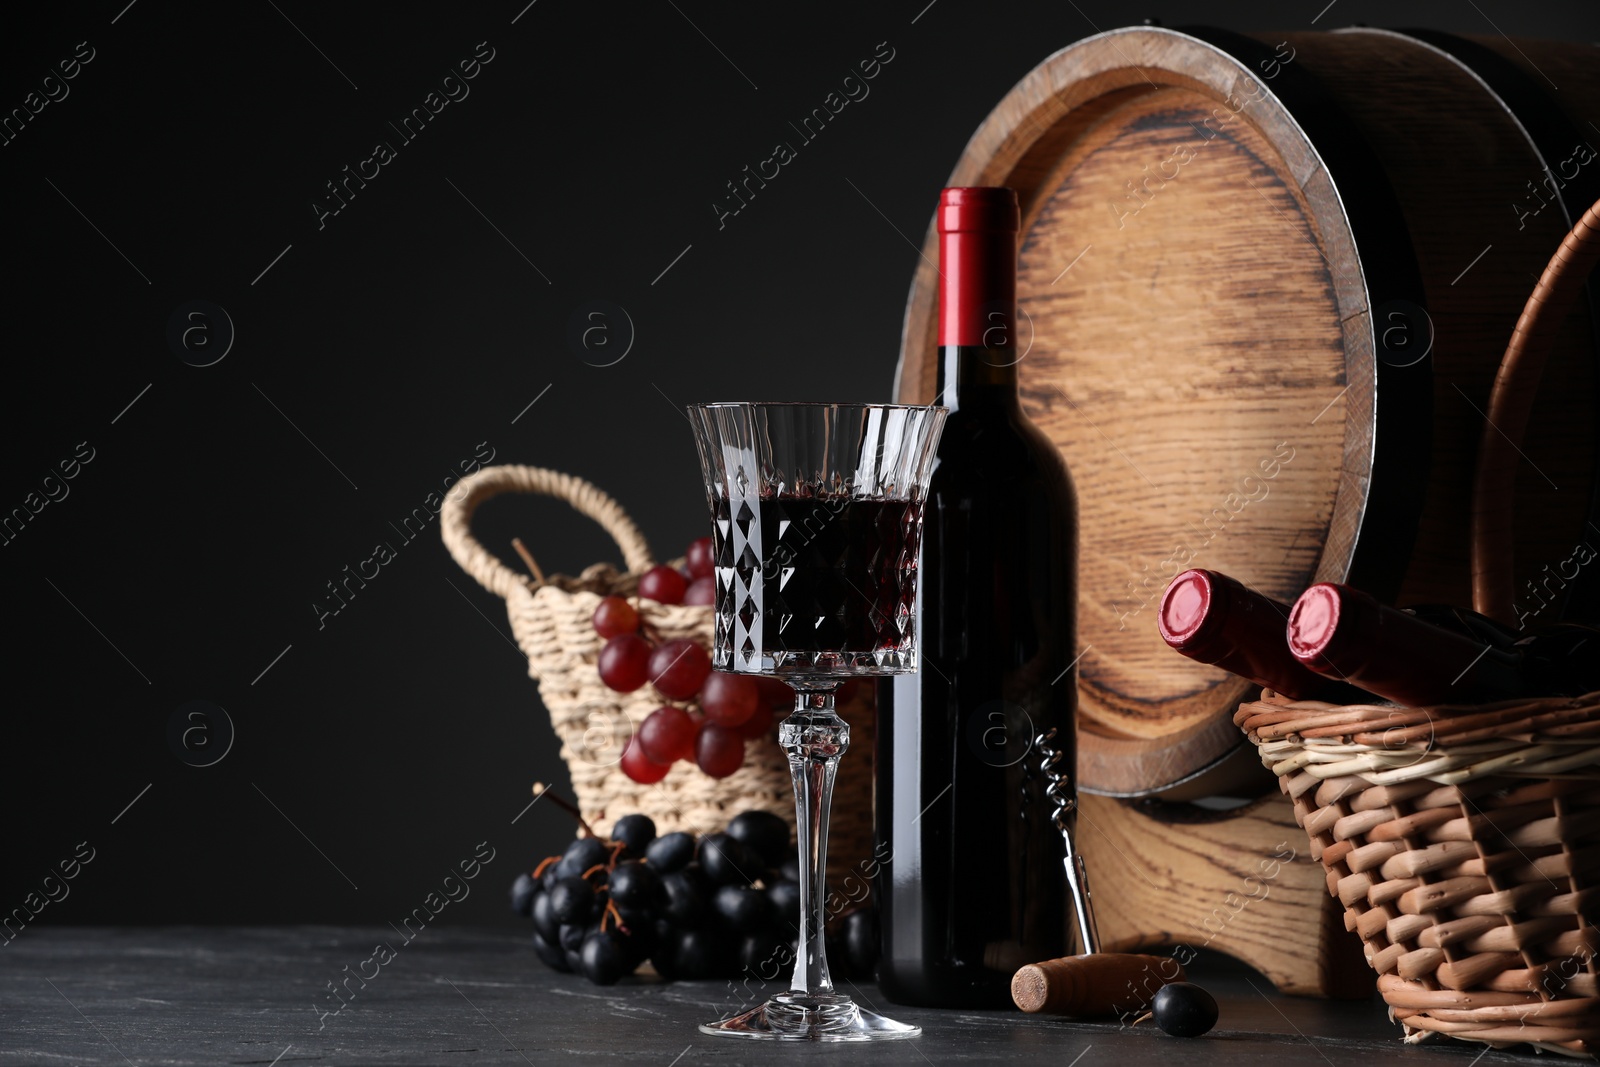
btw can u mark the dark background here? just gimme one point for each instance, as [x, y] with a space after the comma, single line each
[380, 350]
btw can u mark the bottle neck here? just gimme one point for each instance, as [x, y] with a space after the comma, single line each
[977, 318]
[1415, 658]
[1215, 619]
[971, 376]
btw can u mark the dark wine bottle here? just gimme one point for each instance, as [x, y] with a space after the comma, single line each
[1437, 655]
[973, 885]
[1215, 619]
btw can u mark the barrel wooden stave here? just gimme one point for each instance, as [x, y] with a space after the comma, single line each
[1229, 315]
[1456, 176]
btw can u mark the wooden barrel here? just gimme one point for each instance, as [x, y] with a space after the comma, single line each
[1268, 282]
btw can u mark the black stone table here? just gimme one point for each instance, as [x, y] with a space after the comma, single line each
[256, 996]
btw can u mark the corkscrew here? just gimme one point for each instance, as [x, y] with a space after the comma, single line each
[1094, 982]
[1060, 792]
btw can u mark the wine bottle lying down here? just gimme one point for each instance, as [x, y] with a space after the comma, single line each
[1343, 646]
[1437, 654]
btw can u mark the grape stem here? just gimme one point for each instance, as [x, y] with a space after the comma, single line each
[540, 789]
[611, 864]
[527, 557]
[545, 864]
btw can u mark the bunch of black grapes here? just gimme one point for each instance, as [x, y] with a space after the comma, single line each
[724, 906]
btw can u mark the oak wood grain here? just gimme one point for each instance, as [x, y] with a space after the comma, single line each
[1200, 317]
[1243, 883]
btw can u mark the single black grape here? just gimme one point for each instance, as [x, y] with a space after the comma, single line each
[571, 936]
[572, 900]
[640, 917]
[742, 909]
[604, 958]
[635, 885]
[695, 954]
[789, 869]
[1183, 1009]
[860, 936]
[785, 900]
[765, 957]
[763, 833]
[663, 956]
[549, 877]
[588, 850]
[672, 852]
[552, 955]
[638, 936]
[522, 891]
[726, 861]
[688, 898]
[635, 832]
[545, 922]
[582, 854]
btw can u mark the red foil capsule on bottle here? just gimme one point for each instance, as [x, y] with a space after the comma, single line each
[977, 252]
[1215, 619]
[1339, 631]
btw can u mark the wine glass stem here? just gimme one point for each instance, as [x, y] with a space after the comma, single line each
[814, 737]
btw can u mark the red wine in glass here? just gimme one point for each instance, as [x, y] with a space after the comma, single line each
[839, 577]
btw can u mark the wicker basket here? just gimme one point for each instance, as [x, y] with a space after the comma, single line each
[551, 624]
[1464, 842]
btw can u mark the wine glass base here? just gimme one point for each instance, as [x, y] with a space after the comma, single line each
[799, 1017]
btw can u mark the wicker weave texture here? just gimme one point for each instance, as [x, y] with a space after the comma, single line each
[1464, 844]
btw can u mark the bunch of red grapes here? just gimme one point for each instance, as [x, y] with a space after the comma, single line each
[734, 708]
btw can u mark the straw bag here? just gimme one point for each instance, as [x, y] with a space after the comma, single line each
[551, 624]
[1464, 842]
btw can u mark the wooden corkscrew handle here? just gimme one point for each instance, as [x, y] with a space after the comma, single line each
[1104, 983]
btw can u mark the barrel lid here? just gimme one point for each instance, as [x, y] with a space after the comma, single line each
[1262, 335]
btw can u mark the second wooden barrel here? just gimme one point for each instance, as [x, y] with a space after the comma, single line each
[1268, 281]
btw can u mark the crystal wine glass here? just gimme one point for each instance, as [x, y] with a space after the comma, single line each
[816, 513]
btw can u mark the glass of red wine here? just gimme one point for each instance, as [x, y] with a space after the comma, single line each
[816, 512]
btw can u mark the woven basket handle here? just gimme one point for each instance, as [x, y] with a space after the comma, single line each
[455, 520]
[1510, 406]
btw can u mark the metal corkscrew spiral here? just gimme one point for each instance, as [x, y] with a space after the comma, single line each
[1060, 792]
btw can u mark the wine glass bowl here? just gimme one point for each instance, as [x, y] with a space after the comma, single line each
[816, 513]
